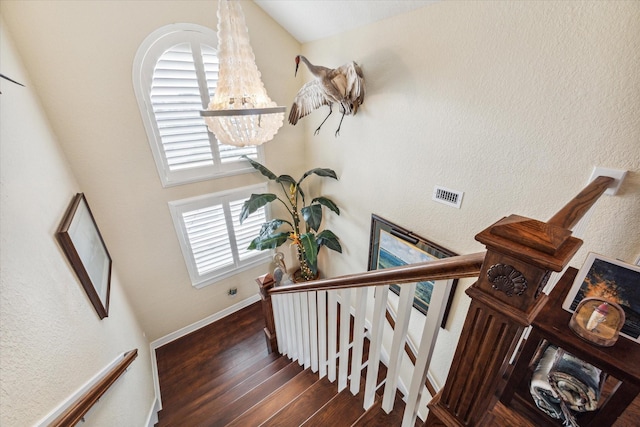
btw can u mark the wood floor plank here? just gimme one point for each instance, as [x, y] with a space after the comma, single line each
[341, 411]
[275, 401]
[304, 406]
[221, 412]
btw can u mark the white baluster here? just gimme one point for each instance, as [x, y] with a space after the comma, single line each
[332, 334]
[345, 326]
[289, 327]
[313, 330]
[322, 333]
[298, 327]
[377, 329]
[439, 298]
[405, 304]
[358, 338]
[304, 310]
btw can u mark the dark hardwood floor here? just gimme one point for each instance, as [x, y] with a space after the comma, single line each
[222, 374]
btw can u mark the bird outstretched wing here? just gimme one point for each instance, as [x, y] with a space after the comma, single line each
[309, 98]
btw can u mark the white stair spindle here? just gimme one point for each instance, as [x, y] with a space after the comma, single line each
[345, 326]
[298, 329]
[377, 329]
[289, 326]
[306, 345]
[332, 333]
[441, 291]
[313, 330]
[405, 304]
[322, 333]
[358, 339]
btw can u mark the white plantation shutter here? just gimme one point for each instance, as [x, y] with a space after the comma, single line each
[175, 75]
[213, 241]
[176, 102]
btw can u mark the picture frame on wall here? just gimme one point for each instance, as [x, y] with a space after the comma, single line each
[87, 253]
[391, 245]
[610, 280]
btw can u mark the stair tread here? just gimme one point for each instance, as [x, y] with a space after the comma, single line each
[228, 391]
[343, 410]
[304, 406]
[377, 417]
[222, 411]
[276, 400]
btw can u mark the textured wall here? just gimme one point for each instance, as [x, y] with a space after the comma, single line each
[51, 339]
[513, 103]
[80, 55]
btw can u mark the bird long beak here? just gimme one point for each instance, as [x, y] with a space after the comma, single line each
[296, 73]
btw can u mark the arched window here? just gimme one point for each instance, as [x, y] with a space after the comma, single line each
[175, 73]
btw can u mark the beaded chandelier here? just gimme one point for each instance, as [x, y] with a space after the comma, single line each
[240, 113]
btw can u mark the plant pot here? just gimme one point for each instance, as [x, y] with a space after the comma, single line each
[297, 276]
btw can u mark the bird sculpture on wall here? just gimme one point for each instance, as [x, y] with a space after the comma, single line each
[343, 86]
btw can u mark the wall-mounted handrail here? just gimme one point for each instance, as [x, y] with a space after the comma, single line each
[456, 267]
[573, 211]
[81, 406]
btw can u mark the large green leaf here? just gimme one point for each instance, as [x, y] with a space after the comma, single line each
[320, 172]
[286, 179]
[328, 203]
[255, 202]
[310, 249]
[312, 215]
[262, 169]
[330, 240]
[268, 238]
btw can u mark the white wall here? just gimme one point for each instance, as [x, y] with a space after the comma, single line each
[80, 55]
[51, 339]
[513, 103]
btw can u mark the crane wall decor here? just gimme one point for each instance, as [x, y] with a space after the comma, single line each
[343, 86]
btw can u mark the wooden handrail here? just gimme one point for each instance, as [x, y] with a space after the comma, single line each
[79, 408]
[456, 267]
[573, 211]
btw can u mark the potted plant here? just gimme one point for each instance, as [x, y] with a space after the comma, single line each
[302, 229]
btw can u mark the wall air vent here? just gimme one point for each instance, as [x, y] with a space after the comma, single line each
[447, 196]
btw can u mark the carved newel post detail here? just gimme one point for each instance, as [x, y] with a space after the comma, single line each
[521, 253]
[266, 282]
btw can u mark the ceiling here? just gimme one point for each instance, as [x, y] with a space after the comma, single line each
[309, 20]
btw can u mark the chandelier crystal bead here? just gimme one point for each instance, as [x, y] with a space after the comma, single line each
[240, 113]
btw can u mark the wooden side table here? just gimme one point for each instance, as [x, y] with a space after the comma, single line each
[621, 361]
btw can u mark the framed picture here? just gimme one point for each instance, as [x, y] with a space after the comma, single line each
[83, 245]
[391, 245]
[611, 280]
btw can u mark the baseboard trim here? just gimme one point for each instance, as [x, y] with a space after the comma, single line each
[152, 418]
[186, 331]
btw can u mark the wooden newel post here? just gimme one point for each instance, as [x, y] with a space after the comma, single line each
[266, 282]
[521, 253]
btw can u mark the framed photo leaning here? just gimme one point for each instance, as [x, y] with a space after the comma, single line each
[610, 280]
[391, 245]
[82, 243]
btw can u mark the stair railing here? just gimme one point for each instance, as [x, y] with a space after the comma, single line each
[308, 327]
[306, 320]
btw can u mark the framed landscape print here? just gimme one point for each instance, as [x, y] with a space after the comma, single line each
[611, 280]
[82, 243]
[391, 245]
